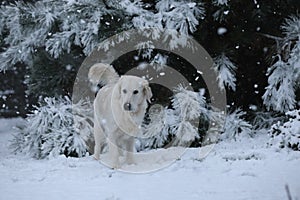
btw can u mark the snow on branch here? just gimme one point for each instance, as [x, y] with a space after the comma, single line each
[182, 16]
[190, 104]
[159, 62]
[145, 48]
[291, 27]
[226, 72]
[174, 19]
[27, 26]
[58, 43]
[131, 7]
[222, 10]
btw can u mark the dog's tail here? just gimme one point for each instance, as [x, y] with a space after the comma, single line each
[103, 74]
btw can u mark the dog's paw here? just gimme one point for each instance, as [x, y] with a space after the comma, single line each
[115, 167]
[130, 161]
[115, 164]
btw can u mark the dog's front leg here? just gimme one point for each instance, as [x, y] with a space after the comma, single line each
[130, 150]
[114, 153]
[99, 140]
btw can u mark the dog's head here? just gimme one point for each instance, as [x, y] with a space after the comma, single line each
[133, 92]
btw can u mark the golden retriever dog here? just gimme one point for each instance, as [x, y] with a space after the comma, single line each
[119, 110]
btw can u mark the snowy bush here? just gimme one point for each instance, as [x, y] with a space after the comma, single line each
[288, 133]
[235, 125]
[284, 74]
[55, 128]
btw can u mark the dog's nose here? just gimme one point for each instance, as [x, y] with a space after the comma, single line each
[127, 106]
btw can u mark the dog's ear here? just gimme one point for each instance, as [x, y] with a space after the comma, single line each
[117, 89]
[147, 91]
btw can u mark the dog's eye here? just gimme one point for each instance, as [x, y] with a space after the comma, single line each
[135, 91]
[124, 91]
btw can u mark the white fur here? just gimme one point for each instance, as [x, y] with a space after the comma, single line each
[102, 73]
[112, 123]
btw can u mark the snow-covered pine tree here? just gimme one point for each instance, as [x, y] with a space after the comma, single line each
[284, 74]
[55, 128]
[226, 72]
[188, 106]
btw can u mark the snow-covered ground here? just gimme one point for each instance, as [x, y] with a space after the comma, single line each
[244, 169]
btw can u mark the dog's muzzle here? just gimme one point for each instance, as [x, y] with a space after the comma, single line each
[127, 107]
